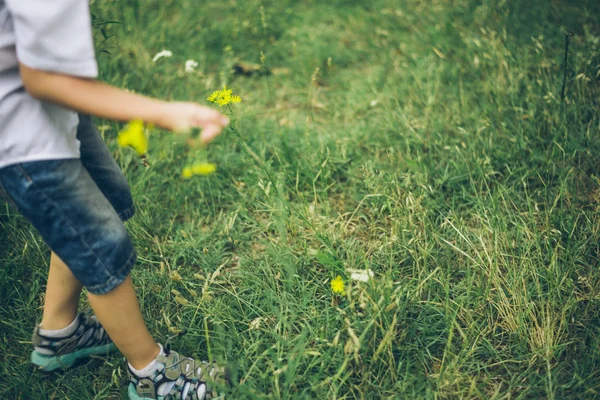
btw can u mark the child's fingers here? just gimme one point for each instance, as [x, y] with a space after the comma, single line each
[210, 132]
[220, 119]
[214, 116]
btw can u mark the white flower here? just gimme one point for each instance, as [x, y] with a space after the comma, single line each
[164, 53]
[190, 66]
[361, 275]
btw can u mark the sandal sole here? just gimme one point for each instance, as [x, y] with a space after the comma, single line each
[53, 363]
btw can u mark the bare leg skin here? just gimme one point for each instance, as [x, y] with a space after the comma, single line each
[62, 296]
[120, 315]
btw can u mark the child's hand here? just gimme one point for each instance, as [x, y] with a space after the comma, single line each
[181, 118]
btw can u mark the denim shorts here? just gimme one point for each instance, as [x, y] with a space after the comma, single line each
[79, 206]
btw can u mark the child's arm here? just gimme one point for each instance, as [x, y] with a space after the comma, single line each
[92, 97]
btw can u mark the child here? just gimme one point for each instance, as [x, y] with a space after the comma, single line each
[56, 169]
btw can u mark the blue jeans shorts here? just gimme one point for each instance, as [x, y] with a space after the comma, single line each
[79, 206]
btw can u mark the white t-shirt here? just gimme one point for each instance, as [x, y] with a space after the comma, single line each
[48, 35]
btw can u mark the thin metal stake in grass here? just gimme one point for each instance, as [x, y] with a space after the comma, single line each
[564, 84]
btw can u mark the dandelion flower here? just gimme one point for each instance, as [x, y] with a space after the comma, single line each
[337, 285]
[224, 97]
[161, 54]
[133, 136]
[190, 66]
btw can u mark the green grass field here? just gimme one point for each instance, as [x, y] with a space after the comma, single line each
[424, 140]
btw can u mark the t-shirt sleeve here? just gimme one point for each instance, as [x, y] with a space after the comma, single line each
[55, 36]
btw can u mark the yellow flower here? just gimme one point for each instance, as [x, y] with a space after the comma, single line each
[133, 136]
[224, 97]
[213, 96]
[187, 172]
[204, 169]
[337, 285]
[198, 169]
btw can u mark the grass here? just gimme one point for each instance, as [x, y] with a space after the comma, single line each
[426, 141]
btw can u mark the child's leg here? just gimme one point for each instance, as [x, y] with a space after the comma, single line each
[73, 215]
[119, 313]
[62, 296]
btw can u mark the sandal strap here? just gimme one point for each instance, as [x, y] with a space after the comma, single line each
[183, 373]
[89, 329]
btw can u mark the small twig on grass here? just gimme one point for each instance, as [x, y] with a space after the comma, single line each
[564, 84]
